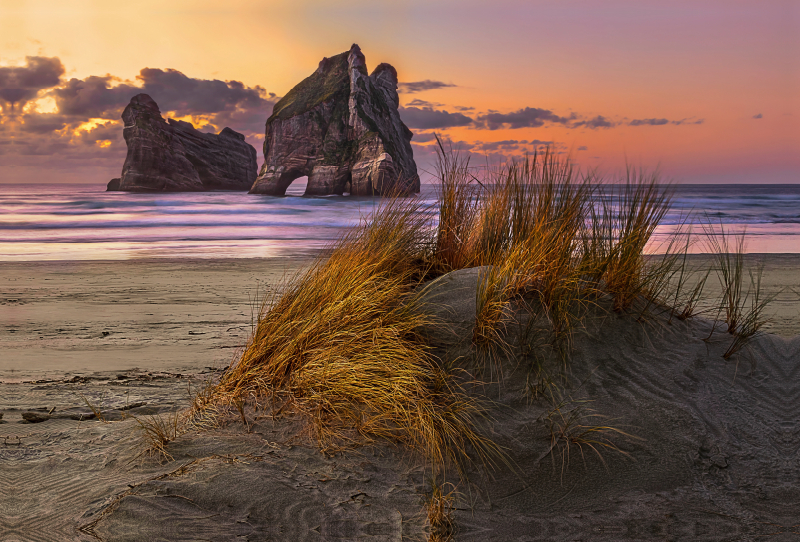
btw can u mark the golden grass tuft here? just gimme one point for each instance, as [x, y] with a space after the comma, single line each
[742, 322]
[458, 210]
[630, 214]
[439, 508]
[529, 231]
[342, 347]
[570, 425]
[158, 431]
[553, 241]
[343, 344]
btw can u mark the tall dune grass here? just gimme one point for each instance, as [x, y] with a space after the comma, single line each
[552, 237]
[341, 347]
[743, 322]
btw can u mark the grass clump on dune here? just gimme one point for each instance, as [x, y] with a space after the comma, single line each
[553, 239]
[742, 322]
[631, 212]
[342, 348]
[344, 345]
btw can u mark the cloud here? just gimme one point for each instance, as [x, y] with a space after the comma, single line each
[424, 137]
[759, 116]
[93, 97]
[427, 118]
[174, 91]
[416, 102]
[85, 128]
[597, 122]
[504, 145]
[108, 132]
[223, 103]
[21, 84]
[648, 122]
[42, 123]
[529, 117]
[583, 148]
[662, 122]
[535, 117]
[420, 86]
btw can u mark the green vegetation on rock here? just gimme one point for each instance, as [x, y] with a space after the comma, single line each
[319, 87]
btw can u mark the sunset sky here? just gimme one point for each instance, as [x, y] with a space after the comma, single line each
[708, 90]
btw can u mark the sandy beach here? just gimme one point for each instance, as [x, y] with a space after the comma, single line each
[714, 455]
[75, 318]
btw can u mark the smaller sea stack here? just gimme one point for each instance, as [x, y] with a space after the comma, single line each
[172, 156]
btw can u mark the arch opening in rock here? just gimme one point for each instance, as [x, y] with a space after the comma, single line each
[297, 187]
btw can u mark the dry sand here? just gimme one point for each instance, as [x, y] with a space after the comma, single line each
[717, 455]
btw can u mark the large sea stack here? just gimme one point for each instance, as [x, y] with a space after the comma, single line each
[172, 156]
[341, 128]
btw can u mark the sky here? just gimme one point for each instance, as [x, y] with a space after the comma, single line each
[705, 91]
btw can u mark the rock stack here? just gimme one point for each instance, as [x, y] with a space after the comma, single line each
[341, 128]
[173, 156]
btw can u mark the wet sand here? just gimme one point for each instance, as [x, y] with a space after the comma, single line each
[75, 318]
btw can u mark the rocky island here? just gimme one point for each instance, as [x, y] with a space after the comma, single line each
[341, 128]
[172, 156]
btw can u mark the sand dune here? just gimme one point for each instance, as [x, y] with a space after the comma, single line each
[715, 453]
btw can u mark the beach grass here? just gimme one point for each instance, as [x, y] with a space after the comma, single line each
[342, 348]
[158, 431]
[344, 345]
[439, 506]
[572, 427]
[743, 305]
[554, 240]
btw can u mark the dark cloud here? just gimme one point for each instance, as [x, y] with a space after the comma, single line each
[85, 127]
[534, 117]
[416, 102]
[464, 108]
[424, 137]
[427, 118]
[648, 122]
[93, 97]
[42, 123]
[225, 103]
[108, 132]
[174, 91]
[661, 122]
[583, 148]
[448, 143]
[759, 116]
[419, 86]
[688, 121]
[529, 117]
[505, 145]
[597, 122]
[21, 84]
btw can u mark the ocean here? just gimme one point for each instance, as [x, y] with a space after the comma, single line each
[84, 222]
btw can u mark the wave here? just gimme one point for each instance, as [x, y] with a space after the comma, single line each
[60, 219]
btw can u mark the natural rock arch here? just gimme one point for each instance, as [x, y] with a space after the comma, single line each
[340, 127]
